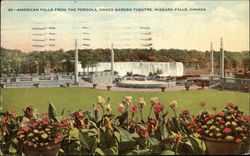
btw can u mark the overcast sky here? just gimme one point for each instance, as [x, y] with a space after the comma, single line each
[169, 29]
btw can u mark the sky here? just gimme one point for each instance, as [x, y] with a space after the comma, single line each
[169, 29]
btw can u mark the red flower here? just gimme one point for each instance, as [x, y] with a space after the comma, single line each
[238, 140]
[4, 129]
[214, 107]
[199, 123]
[26, 128]
[202, 104]
[34, 125]
[230, 104]
[58, 134]
[20, 132]
[45, 122]
[158, 107]
[185, 112]
[46, 117]
[220, 114]
[32, 118]
[57, 140]
[189, 127]
[144, 133]
[121, 109]
[227, 130]
[207, 118]
[133, 108]
[222, 121]
[41, 144]
[247, 118]
[59, 124]
[211, 116]
[25, 122]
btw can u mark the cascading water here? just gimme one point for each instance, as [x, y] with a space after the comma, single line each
[142, 68]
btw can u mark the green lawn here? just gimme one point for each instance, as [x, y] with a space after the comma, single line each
[83, 98]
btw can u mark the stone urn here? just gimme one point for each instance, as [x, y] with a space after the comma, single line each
[94, 85]
[187, 87]
[163, 88]
[108, 87]
[52, 149]
[223, 147]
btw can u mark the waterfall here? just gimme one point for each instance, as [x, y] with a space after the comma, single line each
[143, 68]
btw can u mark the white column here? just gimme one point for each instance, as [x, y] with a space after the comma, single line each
[222, 68]
[76, 63]
[211, 59]
[112, 62]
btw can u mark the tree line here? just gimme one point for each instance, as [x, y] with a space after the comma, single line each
[16, 61]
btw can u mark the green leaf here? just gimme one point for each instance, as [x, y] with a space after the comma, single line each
[111, 151]
[12, 149]
[123, 118]
[197, 148]
[62, 112]
[167, 152]
[87, 141]
[52, 111]
[125, 135]
[98, 151]
[153, 141]
[118, 136]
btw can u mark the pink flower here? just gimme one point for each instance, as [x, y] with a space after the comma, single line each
[121, 109]
[41, 144]
[199, 130]
[185, 112]
[45, 123]
[238, 140]
[227, 130]
[133, 108]
[230, 104]
[26, 128]
[158, 108]
[57, 140]
[214, 107]
[202, 104]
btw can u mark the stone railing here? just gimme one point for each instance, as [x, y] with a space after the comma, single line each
[229, 83]
[36, 78]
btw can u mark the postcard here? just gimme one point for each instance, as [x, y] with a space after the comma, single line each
[106, 77]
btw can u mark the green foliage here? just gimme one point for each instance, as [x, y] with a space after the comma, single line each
[15, 61]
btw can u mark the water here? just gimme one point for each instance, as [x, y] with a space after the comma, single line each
[142, 68]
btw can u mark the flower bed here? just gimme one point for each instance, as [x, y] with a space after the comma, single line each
[100, 132]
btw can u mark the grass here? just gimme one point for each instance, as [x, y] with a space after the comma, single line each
[83, 98]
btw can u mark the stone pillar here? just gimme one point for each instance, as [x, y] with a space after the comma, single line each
[112, 62]
[76, 63]
[211, 60]
[222, 68]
